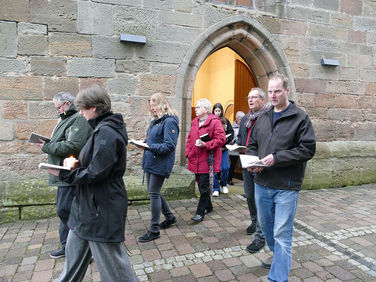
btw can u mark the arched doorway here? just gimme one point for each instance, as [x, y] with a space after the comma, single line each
[248, 38]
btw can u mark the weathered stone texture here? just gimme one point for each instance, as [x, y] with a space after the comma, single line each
[32, 29]
[112, 48]
[150, 84]
[172, 33]
[180, 18]
[91, 67]
[371, 89]
[157, 4]
[327, 5]
[310, 85]
[273, 25]
[132, 66]
[121, 2]
[351, 7]
[345, 87]
[59, 84]
[21, 88]
[58, 15]
[15, 66]
[69, 44]
[355, 36]
[6, 129]
[14, 109]
[48, 66]
[364, 24]
[306, 14]
[324, 72]
[87, 82]
[24, 128]
[8, 42]
[44, 110]
[14, 10]
[123, 84]
[10, 148]
[162, 52]
[94, 18]
[293, 27]
[183, 5]
[32, 45]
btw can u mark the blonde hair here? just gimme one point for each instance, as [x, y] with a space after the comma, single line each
[163, 105]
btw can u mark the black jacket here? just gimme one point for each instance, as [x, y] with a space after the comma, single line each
[99, 209]
[292, 142]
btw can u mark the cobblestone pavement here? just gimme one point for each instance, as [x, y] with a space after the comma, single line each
[334, 240]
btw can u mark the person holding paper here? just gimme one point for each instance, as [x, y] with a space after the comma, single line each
[204, 157]
[220, 179]
[234, 155]
[99, 208]
[256, 100]
[284, 139]
[158, 160]
[68, 138]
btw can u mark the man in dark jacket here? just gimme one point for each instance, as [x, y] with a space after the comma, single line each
[284, 140]
[68, 138]
[256, 100]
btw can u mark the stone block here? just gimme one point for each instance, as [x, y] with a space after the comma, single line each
[32, 29]
[88, 67]
[150, 84]
[134, 20]
[42, 110]
[346, 101]
[307, 15]
[29, 45]
[368, 75]
[273, 25]
[112, 48]
[365, 24]
[14, 109]
[326, 5]
[343, 20]
[132, 66]
[6, 129]
[305, 3]
[180, 34]
[212, 16]
[121, 2]
[24, 128]
[325, 100]
[48, 66]
[369, 9]
[351, 7]
[54, 85]
[362, 61]
[322, 150]
[123, 85]
[87, 82]
[8, 42]
[94, 18]
[294, 28]
[348, 73]
[345, 131]
[163, 52]
[345, 115]
[162, 68]
[15, 66]
[324, 72]
[349, 87]
[321, 174]
[324, 130]
[314, 57]
[21, 88]
[365, 131]
[69, 44]
[12, 147]
[180, 18]
[305, 85]
[15, 10]
[183, 6]
[157, 4]
[371, 89]
[324, 31]
[57, 15]
[355, 36]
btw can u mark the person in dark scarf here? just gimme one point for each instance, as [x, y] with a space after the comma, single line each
[256, 100]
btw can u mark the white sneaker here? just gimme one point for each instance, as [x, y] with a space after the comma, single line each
[215, 194]
[225, 190]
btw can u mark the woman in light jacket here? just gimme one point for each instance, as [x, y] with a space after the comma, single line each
[158, 160]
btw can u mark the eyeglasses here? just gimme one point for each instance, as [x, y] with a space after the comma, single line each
[58, 108]
[253, 97]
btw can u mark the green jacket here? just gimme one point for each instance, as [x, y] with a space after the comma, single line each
[68, 138]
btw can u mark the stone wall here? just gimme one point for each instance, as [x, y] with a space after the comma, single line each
[50, 46]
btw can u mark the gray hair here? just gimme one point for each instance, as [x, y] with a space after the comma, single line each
[261, 92]
[205, 103]
[239, 114]
[63, 97]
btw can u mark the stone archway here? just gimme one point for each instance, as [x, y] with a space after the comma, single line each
[246, 36]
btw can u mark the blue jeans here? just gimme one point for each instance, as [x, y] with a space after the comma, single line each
[225, 169]
[276, 211]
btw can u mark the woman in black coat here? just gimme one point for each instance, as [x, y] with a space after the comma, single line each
[99, 209]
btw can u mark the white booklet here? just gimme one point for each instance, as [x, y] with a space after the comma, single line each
[34, 138]
[250, 161]
[235, 147]
[46, 165]
[139, 143]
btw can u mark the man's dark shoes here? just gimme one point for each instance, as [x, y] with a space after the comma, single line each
[255, 246]
[167, 223]
[208, 210]
[58, 253]
[149, 236]
[267, 263]
[251, 229]
[198, 218]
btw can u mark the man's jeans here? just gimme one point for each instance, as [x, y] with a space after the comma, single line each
[276, 211]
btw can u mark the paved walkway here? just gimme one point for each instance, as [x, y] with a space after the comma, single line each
[334, 240]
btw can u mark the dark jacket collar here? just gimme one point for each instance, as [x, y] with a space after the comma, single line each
[71, 111]
[95, 121]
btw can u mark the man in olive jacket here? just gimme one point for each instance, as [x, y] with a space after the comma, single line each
[284, 139]
[69, 136]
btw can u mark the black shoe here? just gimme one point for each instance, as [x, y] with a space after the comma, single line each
[149, 236]
[167, 223]
[208, 210]
[255, 246]
[198, 218]
[58, 253]
[251, 229]
[230, 182]
[267, 263]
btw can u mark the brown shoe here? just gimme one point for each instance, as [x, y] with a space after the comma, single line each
[267, 263]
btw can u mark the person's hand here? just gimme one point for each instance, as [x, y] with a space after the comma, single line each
[201, 144]
[255, 169]
[268, 160]
[41, 144]
[53, 171]
[140, 147]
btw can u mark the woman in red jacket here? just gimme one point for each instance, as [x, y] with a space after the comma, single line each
[204, 153]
